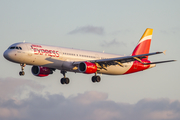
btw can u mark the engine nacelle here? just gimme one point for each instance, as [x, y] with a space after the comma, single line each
[87, 67]
[41, 71]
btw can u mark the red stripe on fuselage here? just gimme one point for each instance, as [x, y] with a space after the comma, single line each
[137, 66]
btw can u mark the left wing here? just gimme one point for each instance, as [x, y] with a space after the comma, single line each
[103, 63]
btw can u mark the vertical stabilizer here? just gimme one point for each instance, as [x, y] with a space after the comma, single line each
[143, 46]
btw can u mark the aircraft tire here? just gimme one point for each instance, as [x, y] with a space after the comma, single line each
[93, 79]
[62, 81]
[21, 73]
[66, 80]
[98, 78]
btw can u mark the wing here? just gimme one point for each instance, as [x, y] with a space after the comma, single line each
[103, 63]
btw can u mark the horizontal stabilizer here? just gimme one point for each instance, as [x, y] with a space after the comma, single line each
[159, 62]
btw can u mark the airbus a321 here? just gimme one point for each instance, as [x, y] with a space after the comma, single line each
[46, 59]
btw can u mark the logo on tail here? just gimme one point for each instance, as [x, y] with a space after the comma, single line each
[143, 46]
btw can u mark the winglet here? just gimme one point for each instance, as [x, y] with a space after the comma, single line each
[164, 52]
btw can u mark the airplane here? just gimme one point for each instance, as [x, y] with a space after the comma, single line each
[46, 59]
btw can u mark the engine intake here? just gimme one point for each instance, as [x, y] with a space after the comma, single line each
[41, 71]
[87, 67]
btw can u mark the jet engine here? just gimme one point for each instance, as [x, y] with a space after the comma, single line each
[87, 67]
[41, 71]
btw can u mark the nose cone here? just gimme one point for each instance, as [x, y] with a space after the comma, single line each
[9, 55]
[6, 55]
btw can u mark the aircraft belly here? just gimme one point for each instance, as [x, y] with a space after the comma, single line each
[43, 61]
[115, 70]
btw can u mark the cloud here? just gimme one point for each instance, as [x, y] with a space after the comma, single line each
[114, 42]
[90, 105]
[88, 30]
[13, 86]
[100, 108]
[174, 30]
[124, 31]
[89, 97]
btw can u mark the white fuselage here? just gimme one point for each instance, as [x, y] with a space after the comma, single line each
[59, 57]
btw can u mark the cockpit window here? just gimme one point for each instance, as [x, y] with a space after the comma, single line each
[15, 47]
[12, 47]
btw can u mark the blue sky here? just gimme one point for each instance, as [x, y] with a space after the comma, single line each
[112, 26]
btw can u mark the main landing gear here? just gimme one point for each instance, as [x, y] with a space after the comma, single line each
[64, 80]
[21, 73]
[96, 78]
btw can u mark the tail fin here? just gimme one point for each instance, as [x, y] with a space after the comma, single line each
[144, 43]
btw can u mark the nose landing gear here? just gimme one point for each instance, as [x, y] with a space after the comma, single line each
[21, 73]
